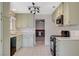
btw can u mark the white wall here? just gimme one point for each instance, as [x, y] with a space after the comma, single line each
[39, 25]
[49, 27]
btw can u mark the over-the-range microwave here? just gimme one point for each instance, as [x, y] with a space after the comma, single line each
[59, 20]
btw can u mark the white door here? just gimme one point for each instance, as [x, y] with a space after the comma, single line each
[0, 37]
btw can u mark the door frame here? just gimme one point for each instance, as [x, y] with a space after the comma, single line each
[35, 30]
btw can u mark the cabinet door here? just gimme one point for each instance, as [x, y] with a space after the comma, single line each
[1, 31]
[19, 42]
[74, 13]
[28, 40]
[61, 9]
[66, 13]
[1, 45]
[54, 16]
[57, 48]
[71, 14]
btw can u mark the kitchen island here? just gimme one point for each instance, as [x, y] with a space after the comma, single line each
[67, 46]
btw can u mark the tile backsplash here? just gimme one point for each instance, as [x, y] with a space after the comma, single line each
[74, 33]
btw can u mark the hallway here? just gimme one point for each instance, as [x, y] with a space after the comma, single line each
[39, 50]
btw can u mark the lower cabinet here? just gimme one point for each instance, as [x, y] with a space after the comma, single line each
[19, 42]
[27, 40]
[67, 48]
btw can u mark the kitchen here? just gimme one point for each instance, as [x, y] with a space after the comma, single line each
[60, 25]
[66, 29]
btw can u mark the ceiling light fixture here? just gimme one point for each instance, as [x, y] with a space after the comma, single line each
[34, 9]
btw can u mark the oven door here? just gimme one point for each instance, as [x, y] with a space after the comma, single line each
[53, 45]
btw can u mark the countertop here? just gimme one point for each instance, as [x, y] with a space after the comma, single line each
[67, 38]
[14, 35]
[59, 37]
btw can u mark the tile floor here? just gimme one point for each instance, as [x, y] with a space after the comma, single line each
[39, 50]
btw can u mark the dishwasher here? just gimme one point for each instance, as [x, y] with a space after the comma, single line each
[12, 45]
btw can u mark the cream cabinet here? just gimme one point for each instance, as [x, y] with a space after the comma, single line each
[67, 47]
[19, 42]
[28, 40]
[6, 26]
[54, 15]
[24, 21]
[1, 40]
[60, 9]
[12, 25]
[70, 12]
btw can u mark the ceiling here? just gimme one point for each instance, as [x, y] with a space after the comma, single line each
[22, 7]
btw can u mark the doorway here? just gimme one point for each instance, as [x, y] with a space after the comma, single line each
[40, 32]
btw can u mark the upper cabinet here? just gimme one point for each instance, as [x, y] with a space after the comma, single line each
[70, 13]
[59, 10]
[24, 21]
[12, 19]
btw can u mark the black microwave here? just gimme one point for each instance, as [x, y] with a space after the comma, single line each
[59, 20]
[65, 33]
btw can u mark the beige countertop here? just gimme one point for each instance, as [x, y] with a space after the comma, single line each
[15, 34]
[67, 38]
